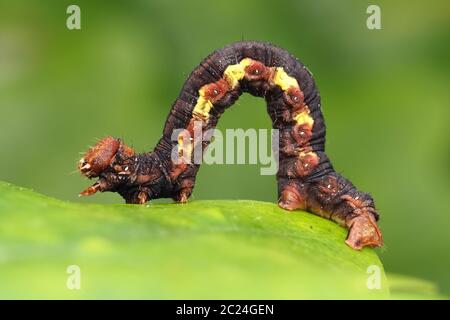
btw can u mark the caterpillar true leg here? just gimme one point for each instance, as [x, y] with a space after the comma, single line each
[306, 178]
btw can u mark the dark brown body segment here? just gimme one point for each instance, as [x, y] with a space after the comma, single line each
[306, 178]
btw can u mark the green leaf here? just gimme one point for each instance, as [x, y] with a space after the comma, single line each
[201, 250]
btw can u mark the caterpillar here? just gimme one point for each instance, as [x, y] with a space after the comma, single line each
[306, 177]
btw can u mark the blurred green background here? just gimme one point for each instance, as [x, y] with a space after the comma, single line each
[385, 96]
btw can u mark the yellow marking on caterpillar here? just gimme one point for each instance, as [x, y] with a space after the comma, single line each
[234, 73]
[304, 118]
[283, 80]
[203, 107]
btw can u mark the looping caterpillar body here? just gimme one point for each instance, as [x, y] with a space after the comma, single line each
[306, 178]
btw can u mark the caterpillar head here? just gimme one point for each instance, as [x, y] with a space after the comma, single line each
[98, 158]
[105, 160]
